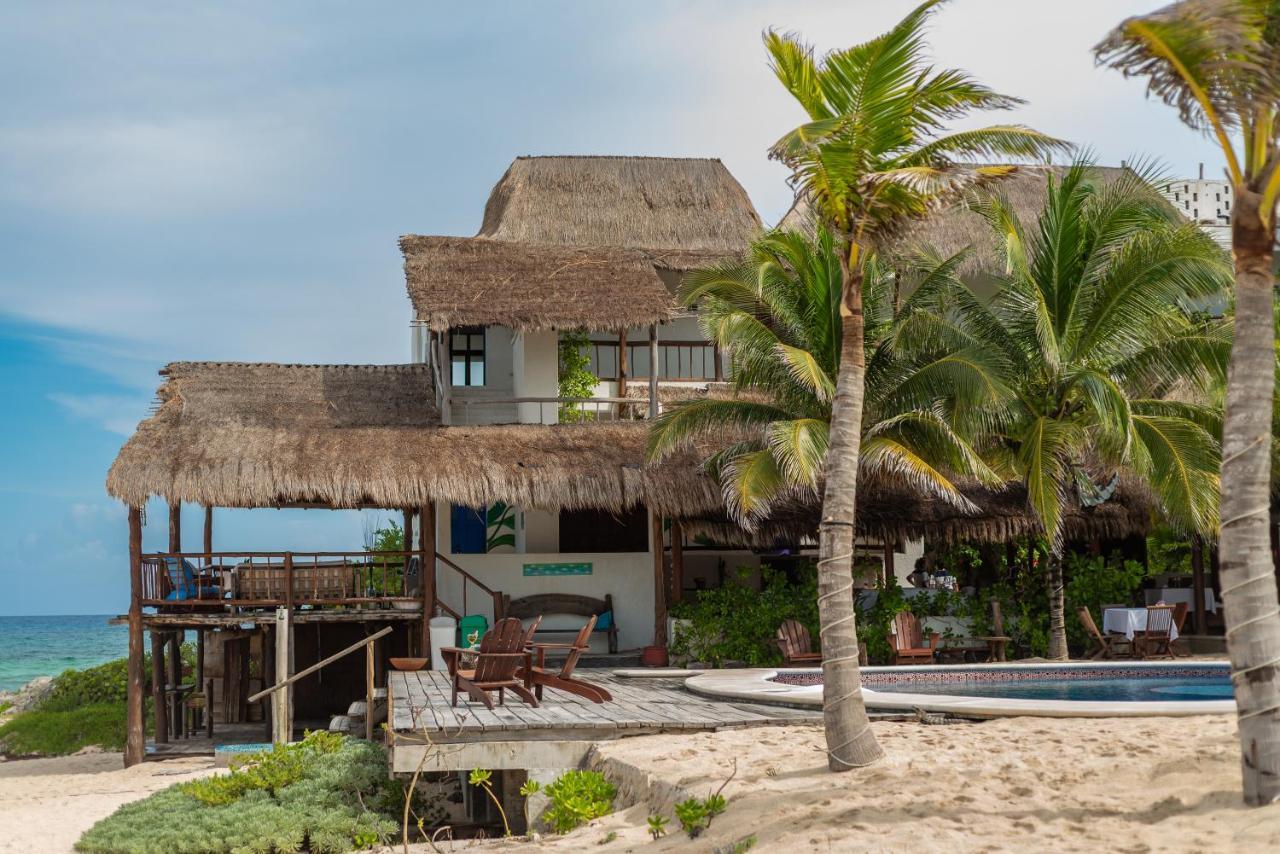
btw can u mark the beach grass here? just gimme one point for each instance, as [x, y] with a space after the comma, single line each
[61, 732]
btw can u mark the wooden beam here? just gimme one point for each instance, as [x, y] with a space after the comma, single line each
[622, 363]
[890, 572]
[135, 735]
[175, 526]
[659, 580]
[158, 699]
[408, 530]
[368, 691]
[427, 560]
[677, 561]
[653, 370]
[282, 723]
[175, 679]
[441, 355]
[1197, 584]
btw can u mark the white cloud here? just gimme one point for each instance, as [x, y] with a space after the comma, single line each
[114, 413]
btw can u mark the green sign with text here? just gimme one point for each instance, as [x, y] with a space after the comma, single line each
[557, 569]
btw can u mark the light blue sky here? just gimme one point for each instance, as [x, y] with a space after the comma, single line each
[196, 181]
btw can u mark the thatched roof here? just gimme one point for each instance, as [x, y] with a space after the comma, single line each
[458, 281]
[681, 211]
[572, 242]
[954, 227]
[261, 435]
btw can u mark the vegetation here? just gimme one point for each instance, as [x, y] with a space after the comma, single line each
[576, 379]
[738, 622]
[1216, 61]
[872, 155]
[483, 779]
[576, 798]
[326, 794]
[64, 731]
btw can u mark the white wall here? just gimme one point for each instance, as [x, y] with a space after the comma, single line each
[536, 372]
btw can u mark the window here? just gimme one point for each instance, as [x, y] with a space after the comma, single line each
[466, 352]
[467, 530]
[602, 531]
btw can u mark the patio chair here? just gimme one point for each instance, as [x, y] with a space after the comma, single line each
[1105, 646]
[999, 641]
[539, 675]
[1179, 646]
[1154, 641]
[796, 645]
[181, 577]
[500, 656]
[907, 642]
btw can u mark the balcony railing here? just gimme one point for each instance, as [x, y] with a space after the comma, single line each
[677, 360]
[209, 580]
[547, 410]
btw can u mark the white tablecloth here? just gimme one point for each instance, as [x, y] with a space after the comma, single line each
[1126, 621]
[1174, 595]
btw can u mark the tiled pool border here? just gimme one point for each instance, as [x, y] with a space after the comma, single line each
[760, 686]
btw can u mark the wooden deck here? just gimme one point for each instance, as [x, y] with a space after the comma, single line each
[425, 728]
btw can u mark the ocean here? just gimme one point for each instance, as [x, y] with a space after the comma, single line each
[46, 646]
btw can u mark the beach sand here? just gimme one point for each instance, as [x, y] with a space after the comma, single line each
[1017, 784]
[45, 804]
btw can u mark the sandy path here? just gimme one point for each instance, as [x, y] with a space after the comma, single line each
[1020, 784]
[45, 804]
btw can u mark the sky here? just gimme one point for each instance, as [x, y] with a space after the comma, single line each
[228, 180]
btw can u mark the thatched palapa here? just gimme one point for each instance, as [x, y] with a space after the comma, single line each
[571, 242]
[265, 435]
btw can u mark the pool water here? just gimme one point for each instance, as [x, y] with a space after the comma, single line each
[1146, 689]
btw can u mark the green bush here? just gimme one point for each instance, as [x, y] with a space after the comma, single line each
[105, 683]
[60, 732]
[342, 800]
[738, 623]
[576, 798]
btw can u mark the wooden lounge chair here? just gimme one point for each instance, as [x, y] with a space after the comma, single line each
[539, 675]
[907, 642]
[998, 642]
[1179, 646]
[1105, 646]
[500, 656]
[1154, 641]
[796, 645]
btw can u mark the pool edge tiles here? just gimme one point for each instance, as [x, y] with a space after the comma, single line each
[758, 685]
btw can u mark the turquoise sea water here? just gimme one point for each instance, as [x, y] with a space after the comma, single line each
[46, 646]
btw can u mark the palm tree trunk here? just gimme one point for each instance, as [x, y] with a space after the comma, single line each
[1248, 582]
[1057, 610]
[850, 742]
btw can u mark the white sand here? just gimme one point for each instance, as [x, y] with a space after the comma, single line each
[1020, 784]
[45, 804]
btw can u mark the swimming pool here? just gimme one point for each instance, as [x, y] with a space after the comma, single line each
[1094, 689]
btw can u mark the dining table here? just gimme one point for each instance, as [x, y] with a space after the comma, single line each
[1128, 621]
[1174, 595]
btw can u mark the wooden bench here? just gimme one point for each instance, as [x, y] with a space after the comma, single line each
[549, 604]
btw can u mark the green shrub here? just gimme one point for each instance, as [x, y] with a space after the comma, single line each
[341, 801]
[738, 623]
[106, 683]
[271, 770]
[576, 798]
[61, 732]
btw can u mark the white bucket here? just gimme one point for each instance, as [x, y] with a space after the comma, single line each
[444, 632]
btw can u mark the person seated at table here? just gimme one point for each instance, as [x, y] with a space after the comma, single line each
[919, 576]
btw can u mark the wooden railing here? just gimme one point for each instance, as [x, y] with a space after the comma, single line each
[468, 579]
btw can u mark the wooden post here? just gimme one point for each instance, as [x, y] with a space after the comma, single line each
[653, 371]
[135, 735]
[158, 698]
[659, 580]
[175, 526]
[198, 681]
[175, 679]
[282, 723]
[368, 691]
[677, 561]
[622, 363]
[446, 377]
[1197, 584]
[427, 559]
[890, 572]
[208, 534]
[268, 672]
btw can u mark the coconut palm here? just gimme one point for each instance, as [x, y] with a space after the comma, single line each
[776, 313]
[1218, 63]
[1092, 330]
[873, 153]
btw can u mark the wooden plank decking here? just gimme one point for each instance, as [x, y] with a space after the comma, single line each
[559, 731]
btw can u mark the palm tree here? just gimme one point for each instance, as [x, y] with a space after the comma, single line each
[873, 154]
[1218, 62]
[1092, 332]
[776, 312]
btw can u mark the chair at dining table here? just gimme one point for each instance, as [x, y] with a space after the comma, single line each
[1177, 646]
[1105, 645]
[1155, 640]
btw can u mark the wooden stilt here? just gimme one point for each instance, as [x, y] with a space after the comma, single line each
[677, 562]
[135, 735]
[427, 558]
[622, 363]
[158, 679]
[174, 663]
[653, 372]
[282, 728]
[890, 572]
[208, 534]
[175, 526]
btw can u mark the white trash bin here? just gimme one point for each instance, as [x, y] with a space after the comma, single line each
[444, 632]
